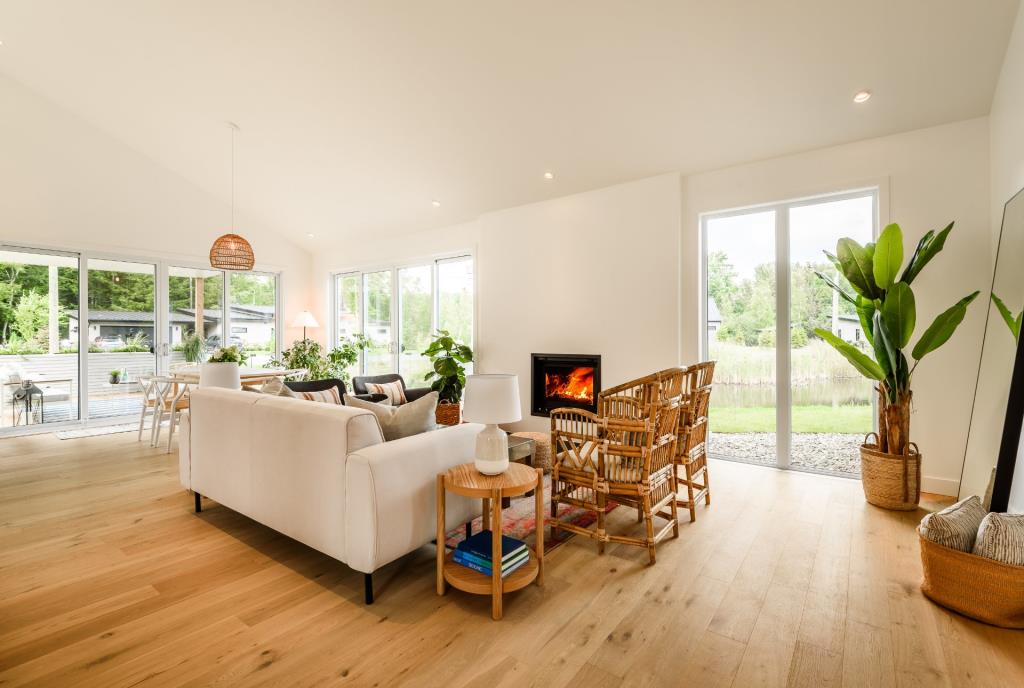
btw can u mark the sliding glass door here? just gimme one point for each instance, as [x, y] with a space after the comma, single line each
[195, 312]
[415, 322]
[121, 334]
[379, 357]
[782, 396]
[253, 316]
[39, 359]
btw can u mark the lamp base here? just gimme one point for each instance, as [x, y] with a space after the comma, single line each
[492, 450]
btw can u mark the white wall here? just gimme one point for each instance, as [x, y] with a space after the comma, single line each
[927, 177]
[592, 273]
[1006, 137]
[67, 185]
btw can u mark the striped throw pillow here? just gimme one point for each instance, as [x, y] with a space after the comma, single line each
[327, 396]
[1001, 537]
[955, 526]
[392, 390]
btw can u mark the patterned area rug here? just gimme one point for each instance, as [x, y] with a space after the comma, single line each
[95, 432]
[518, 520]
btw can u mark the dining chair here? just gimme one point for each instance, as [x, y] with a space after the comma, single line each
[150, 404]
[691, 448]
[172, 399]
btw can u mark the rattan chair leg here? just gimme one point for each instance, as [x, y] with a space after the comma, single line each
[649, 522]
[600, 522]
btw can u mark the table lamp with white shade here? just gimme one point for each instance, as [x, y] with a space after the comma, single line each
[492, 399]
[305, 319]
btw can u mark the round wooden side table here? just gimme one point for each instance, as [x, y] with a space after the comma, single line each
[467, 481]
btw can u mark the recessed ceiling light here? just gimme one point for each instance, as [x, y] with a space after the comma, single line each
[436, 203]
[549, 175]
[862, 97]
[310, 235]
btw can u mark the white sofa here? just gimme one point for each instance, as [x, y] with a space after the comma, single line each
[322, 474]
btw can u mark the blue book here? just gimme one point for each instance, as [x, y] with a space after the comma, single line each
[459, 559]
[480, 545]
[462, 555]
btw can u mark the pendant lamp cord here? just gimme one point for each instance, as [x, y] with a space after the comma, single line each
[232, 178]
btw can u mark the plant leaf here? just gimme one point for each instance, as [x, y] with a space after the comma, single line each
[899, 314]
[866, 313]
[831, 282]
[857, 358]
[1011, 322]
[927, 249]
[888, 256]
[942, 328]
[856, 263]
[884, 349]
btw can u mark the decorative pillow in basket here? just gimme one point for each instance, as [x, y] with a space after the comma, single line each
[976, 586]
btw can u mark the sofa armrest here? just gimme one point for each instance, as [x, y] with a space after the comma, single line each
[391, 489]
[184, 449]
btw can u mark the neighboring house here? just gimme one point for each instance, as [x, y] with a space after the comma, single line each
[848, 327]
[250, 325]
[714, 319]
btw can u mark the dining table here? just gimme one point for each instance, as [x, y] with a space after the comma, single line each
[250, 377]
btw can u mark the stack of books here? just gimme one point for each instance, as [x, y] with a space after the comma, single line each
[475, 553]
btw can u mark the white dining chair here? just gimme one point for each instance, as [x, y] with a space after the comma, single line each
[172, 399]
[150, 404]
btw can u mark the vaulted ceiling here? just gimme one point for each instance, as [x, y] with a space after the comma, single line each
[355, 116]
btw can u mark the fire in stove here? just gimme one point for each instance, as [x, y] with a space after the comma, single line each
[575, 385]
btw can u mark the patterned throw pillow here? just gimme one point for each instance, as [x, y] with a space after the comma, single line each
[276, 387]
[327, 396]
[1001, 537]
[955, 526]
[392, 390]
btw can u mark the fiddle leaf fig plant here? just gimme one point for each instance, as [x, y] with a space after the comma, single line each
[1012, 322]
[887, 309]
[449, 373]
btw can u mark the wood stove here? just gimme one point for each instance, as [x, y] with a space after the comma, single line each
[564, 380]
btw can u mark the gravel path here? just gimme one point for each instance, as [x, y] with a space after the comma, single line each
[825, 451]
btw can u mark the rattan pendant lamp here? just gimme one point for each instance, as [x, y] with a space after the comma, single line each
[232, 251]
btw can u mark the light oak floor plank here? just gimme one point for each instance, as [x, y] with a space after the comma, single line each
[107, 578]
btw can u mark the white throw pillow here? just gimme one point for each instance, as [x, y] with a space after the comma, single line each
[401, 421]
[392, 390]
[1001, 537]
[276, 387]
[955, 526]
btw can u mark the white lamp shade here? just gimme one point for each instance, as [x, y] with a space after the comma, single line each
[305, 319]
[492, 399]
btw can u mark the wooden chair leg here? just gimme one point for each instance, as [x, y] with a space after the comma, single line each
[689, 492]
[649, 521]
[600, 522]
[707, 485]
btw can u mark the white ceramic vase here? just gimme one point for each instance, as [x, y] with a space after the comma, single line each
[223, 375]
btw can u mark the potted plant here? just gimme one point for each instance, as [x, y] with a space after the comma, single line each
[448, 375]
[309, 355]
[115, 377]
[221, 369]
[884, 301]
[192, 347]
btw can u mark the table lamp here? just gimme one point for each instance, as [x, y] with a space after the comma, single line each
[304, 319]
[492, 399]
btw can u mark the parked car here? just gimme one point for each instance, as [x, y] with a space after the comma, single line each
[109, 343]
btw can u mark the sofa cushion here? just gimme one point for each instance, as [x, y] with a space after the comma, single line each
[394, 391]
[955, 526]
[277, 388]
[1001, 537]
[401, 421]
[326, 396]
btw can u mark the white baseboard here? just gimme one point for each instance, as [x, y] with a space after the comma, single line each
[942, 486]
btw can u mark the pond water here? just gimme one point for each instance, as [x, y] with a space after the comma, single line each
[834, 392]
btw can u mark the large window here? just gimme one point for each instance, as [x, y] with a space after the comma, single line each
[782, 396]
[78, 330]
[399, 309]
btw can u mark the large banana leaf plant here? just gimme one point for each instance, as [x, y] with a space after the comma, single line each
[886, 307]
[1013, 322]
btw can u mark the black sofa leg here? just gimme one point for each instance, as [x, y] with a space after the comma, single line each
[199, 503]
[368, 587]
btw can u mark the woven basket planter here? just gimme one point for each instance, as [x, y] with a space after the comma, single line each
[978, 587]
[891, 481]
[448, 414]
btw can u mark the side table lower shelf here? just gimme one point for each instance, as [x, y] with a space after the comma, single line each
[467, 580]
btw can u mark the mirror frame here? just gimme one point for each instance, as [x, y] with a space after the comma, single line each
[1010, 444]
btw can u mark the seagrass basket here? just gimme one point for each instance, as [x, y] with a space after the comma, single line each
[448, 414]
[891, 481]
[975, 586]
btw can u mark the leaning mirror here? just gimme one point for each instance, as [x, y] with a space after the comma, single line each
[992, 400]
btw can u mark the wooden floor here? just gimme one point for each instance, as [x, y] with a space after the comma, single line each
[107, 578]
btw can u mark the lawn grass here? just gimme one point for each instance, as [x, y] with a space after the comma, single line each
[844, 419]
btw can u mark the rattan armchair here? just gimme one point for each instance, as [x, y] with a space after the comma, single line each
[625, 452]
[691, 447]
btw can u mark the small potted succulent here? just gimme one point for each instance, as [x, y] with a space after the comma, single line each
[448, 376]
[221, 369]
[115, 377]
